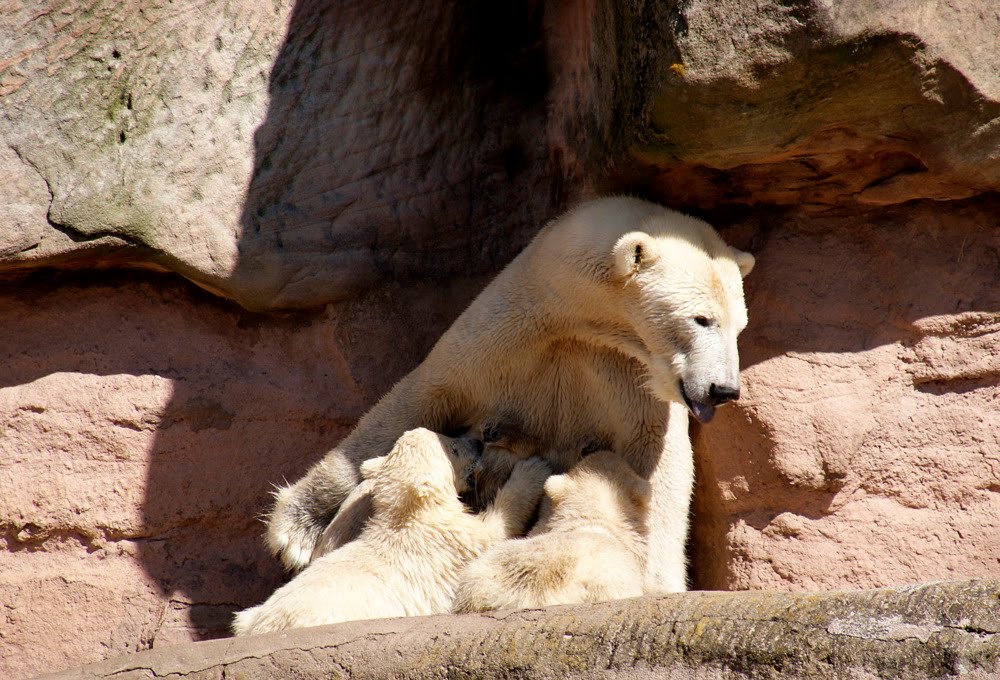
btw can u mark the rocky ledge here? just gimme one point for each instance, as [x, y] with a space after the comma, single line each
[921, 631]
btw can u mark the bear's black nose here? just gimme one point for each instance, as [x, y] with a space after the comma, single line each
[721, 394]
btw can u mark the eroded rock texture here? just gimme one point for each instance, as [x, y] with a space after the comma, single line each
[354, 172]
[867, 449]
[930, 631]
[281, 154]
[142, 424]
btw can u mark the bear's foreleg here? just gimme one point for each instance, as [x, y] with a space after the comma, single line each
[303, 510]
[672, 481]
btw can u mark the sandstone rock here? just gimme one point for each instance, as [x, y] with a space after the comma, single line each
[867, 448]
[822, 104]
[290, 156]
[390, 160]
[282, 156]
[930, 631]
[142, 424]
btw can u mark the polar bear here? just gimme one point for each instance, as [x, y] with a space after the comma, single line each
[618, 319]
[589, 546]
[407, 558]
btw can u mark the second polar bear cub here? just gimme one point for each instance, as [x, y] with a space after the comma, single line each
[407, 558]
[589, 544]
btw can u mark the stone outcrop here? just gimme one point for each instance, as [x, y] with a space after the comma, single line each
[283, 155]
[941, 630]
[354, 174]
[142, 424]
[817, 105]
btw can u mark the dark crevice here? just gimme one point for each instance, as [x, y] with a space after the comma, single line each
[82, 237]
[958, 384]
[899, 165]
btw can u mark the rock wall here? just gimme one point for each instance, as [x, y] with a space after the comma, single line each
[867, 449]
[143, 424]
[354, 174]
[281, 154]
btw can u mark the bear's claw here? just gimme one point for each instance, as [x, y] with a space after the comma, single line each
[288, 536]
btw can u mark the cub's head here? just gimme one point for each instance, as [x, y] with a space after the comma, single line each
[601, 486]
[676, 290]
[424, 468]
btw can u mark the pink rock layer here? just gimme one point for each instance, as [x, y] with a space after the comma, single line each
[143, 423]
[866, 448]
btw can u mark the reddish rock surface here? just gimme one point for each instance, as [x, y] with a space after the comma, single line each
[142, 424]
[356, 174]
[866, 451]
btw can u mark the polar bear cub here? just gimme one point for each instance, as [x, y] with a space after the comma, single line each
[407, 558]
[589, 544]
[504, 446]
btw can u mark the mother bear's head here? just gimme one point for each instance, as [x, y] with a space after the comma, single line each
[670, 289]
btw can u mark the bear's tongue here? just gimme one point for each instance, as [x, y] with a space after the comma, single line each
[703, 412]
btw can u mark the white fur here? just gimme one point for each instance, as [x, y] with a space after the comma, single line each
[589, 546]
[582, 336]
[407, 558]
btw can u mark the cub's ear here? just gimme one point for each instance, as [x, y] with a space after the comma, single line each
[371, 466]
[633, 252]
[745, 261]
[425, 487]
[556, 488]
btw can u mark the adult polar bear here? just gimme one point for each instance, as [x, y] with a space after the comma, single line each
[615, 320]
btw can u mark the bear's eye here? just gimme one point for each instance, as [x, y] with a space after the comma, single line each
[703, 321]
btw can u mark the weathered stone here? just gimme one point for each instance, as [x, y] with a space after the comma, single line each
[392, 158]
[866, 450]
[819, 104]
[142, 424]
[282, 156]
[929, 631]
[290, 156]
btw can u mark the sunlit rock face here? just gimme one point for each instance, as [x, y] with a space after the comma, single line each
[226, 229]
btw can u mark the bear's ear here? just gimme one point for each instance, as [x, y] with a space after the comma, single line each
[556, 488]
[633, 252]
[424, 487]
[745, 261]
[371, 466]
